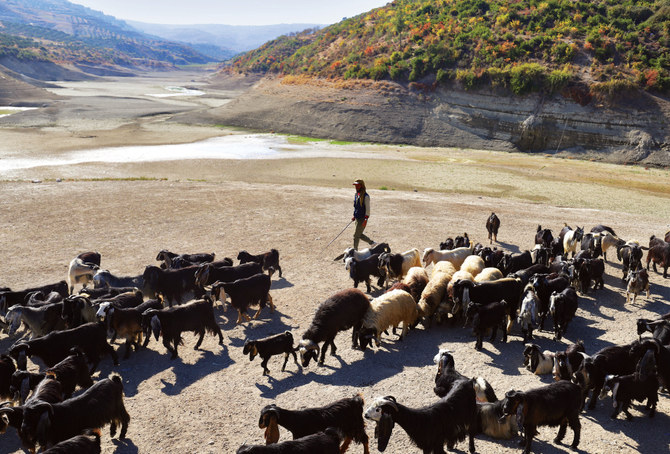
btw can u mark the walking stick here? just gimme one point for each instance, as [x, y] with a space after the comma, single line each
[338, 235]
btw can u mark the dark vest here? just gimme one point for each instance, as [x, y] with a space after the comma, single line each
[359, 206]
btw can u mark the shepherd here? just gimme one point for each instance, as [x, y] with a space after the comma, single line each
[361, 213]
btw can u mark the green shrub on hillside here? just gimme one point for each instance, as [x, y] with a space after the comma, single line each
[522, 45]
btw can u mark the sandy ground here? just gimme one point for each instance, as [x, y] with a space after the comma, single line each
[208, 400]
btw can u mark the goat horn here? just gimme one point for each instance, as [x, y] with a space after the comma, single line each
[390, 400]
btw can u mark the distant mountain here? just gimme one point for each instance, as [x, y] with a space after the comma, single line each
[62, 32]
[221, 41]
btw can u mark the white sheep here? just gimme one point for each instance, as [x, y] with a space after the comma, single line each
[385, 311]
[473, 264]
[433, 294]
[455, 256]
[443, 267]
[489, 274]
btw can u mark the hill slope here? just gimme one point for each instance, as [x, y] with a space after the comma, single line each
[62, 32]
[522, 45]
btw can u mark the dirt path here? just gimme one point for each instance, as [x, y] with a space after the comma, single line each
[208, 400]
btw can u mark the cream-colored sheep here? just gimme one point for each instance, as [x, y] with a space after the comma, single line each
[489, 274]
[443, 267]
[385, 311]
[433, 294]
[473, 264]
[455, 256]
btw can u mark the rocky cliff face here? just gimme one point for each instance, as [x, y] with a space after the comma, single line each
[634, 131]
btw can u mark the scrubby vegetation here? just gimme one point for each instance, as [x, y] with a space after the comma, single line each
[520, 45]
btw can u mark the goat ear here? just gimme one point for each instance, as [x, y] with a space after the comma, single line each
[383, 431]
[271, 431]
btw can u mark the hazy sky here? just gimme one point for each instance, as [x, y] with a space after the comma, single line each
[233, 12]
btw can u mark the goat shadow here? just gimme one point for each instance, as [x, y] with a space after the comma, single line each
[640, 428]
[125, 446]
[281, 283]
[260, 330]
[134, 370]
[227, 317]
[187, 374]
[273, 324]
[372, 366]
[508, 247]
[10, 441]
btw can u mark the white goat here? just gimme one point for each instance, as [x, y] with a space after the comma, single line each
[80, 272]
[433, 294]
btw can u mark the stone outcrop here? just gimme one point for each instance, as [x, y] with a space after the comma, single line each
[390, 113]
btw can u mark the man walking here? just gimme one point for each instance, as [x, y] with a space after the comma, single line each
[361, 213]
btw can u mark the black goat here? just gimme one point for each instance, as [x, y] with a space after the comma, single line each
[640, 386]
[659, 254]
[557, 404]
[462, 241]
[660, 329]
[591, 270]
[7, 369]
[525, 274]
[361, 270]
[245, 292]
[508, 289]
[207, 273]
[91, 338]
[127, 322]
[612, 360]
[326, 442]
[168, 258]
[515, 262]
[345, 415]
[447, 376]
[543, 237]
[8, 298]
[23, 382]
[344, 310]
[70, 372]
[87, 443]
[544, 286]
[630, 254]
[173, 285]
[568, 361]
[450, 420]
[562, 307]
[99, 405]
[270, 346]
[490, 316]
[197, 316]
[268, 260]
[48, 390]
[492, 226]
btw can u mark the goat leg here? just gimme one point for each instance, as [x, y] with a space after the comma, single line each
[283, 368]
[202, 336]
[264, 365]
[561, 432]
[345, 445]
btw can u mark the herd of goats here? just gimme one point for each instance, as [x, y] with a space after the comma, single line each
[481, 286]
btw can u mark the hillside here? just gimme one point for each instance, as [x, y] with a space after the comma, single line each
[61, 32]
[519, 45]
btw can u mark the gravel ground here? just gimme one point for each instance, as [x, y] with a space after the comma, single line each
[208, 401]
